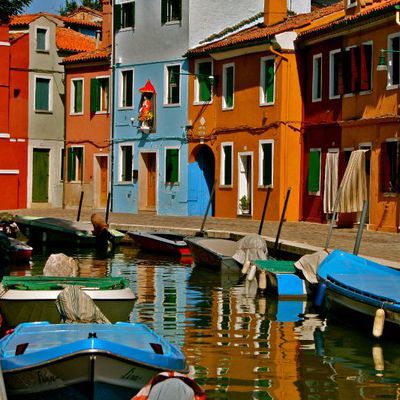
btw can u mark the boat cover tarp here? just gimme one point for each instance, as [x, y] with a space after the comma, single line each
[76, 307]
[276, 266]
[308, 264]
[60, 265]
[57, 283]
[251, 247]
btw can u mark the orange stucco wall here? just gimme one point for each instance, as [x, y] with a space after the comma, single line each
[90, 130]
[246, 125]
[380, 103]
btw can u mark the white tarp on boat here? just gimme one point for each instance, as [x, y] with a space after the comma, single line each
[251, 247]
[60, 265]
[309, 263]
[75, 306]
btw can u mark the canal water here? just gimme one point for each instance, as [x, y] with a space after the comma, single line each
[241, 345]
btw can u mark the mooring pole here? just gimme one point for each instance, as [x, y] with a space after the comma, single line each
[108, 206]
[334, 214]
[201, 232]
[264, 210]
[78, 217]
[361, 227]
[281, 221]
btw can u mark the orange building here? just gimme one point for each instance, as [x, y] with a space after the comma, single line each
[369, 98]
[245, 112]
[88, 122]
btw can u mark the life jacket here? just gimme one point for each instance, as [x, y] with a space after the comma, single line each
[199, 393]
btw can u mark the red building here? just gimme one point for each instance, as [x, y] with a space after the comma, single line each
[13, 124]
[88, 122]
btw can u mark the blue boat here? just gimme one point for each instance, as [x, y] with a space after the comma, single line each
[361, 285]
[41, 357]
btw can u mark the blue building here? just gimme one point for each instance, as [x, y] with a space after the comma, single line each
[150, 149]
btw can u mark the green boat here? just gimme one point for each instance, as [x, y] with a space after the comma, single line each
[61, 231]
[32, 298]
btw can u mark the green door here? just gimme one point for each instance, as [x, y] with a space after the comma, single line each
[40, 176]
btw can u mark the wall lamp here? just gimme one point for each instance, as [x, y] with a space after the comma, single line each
[382, 63]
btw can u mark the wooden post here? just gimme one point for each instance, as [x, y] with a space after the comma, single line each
[108, 206]
[201, 232]
[281, 221]
[78, 217]
[360, 228]
[264, 210]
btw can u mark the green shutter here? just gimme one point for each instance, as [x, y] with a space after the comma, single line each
[133, 15]
[267, 164]
[314, 163]
[94, 95]
[269, 81]
[164, 11]
[79, 152]
[204, 81]
[41, 39]
[42, 94]
[71, 164]
[228, 165]
[117, 17]
[229, 87]
[78, 96]
[172, 165]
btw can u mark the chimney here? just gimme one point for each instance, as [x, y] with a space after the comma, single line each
[275, 11]
[107, 23]
[98, 38]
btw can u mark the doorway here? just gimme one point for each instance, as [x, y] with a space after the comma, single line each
[245, 183]
[40, 176]
[148, 181]
[367, 146]
[100, 174]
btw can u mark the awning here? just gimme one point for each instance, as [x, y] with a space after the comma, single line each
[148, 88]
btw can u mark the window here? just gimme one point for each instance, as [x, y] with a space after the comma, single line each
[75, 164]
[267, 93]
[390, 165]
[357, 68]
[393, 60]
[334, 66]
[125, 162]
[43, 89]
[317, 78]
[126, 88]
[76, 96]
[203, 81]
[228, 76]
[172, 84]
[171, 165]
[226, 164]
[314, 171]
[171, 10]
[99, 94]
[42, 39]
[266, 154]
[124, 15]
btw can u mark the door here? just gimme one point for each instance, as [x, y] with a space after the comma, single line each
[245, 184]
[148, 181]
[40, 176]
[101, 183]
[151, 181]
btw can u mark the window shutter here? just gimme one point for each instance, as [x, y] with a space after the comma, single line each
[347, 72]
[133, 15]
[204, 81]
[79, 152]
[117, 17]
[164, 5]
[395, 70]
[314, 160]
[94, 95]
[78, 96]
[41, 39]
[229, 87]
[228, 165]
[71, 166]
[42, 94]
[355, 79]
[267, 164]
[269, 80]
[179, 11]
[172, 165]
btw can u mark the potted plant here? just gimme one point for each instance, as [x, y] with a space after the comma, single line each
[146, 121]
[244, 204]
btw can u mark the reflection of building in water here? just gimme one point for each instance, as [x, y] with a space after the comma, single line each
[162, 300]
[251, 354]
[91, 267]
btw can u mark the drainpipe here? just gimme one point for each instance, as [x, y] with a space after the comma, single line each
[111, 177]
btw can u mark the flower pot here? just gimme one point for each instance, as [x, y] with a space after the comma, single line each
[145, 129]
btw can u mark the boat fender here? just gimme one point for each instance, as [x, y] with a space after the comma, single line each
[251, 273]
[379, 322]
[262, 280]
[320, 295]
[379, 362]
[246, 267]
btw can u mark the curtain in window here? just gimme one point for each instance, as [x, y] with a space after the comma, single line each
[42, 94]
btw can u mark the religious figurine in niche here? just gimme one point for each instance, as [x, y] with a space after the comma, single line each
[145, 113]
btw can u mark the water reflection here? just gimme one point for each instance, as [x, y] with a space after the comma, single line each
[239, 344]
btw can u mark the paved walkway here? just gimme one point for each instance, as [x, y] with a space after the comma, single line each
[379, 245]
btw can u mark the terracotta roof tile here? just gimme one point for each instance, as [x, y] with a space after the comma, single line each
[70, 40]
[18, 20]
[82, 22]
[373, 10]
[95, 55]
[15, 36]
[26, 19]
[261, 32]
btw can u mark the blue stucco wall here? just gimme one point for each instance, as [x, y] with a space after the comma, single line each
[170, 131]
